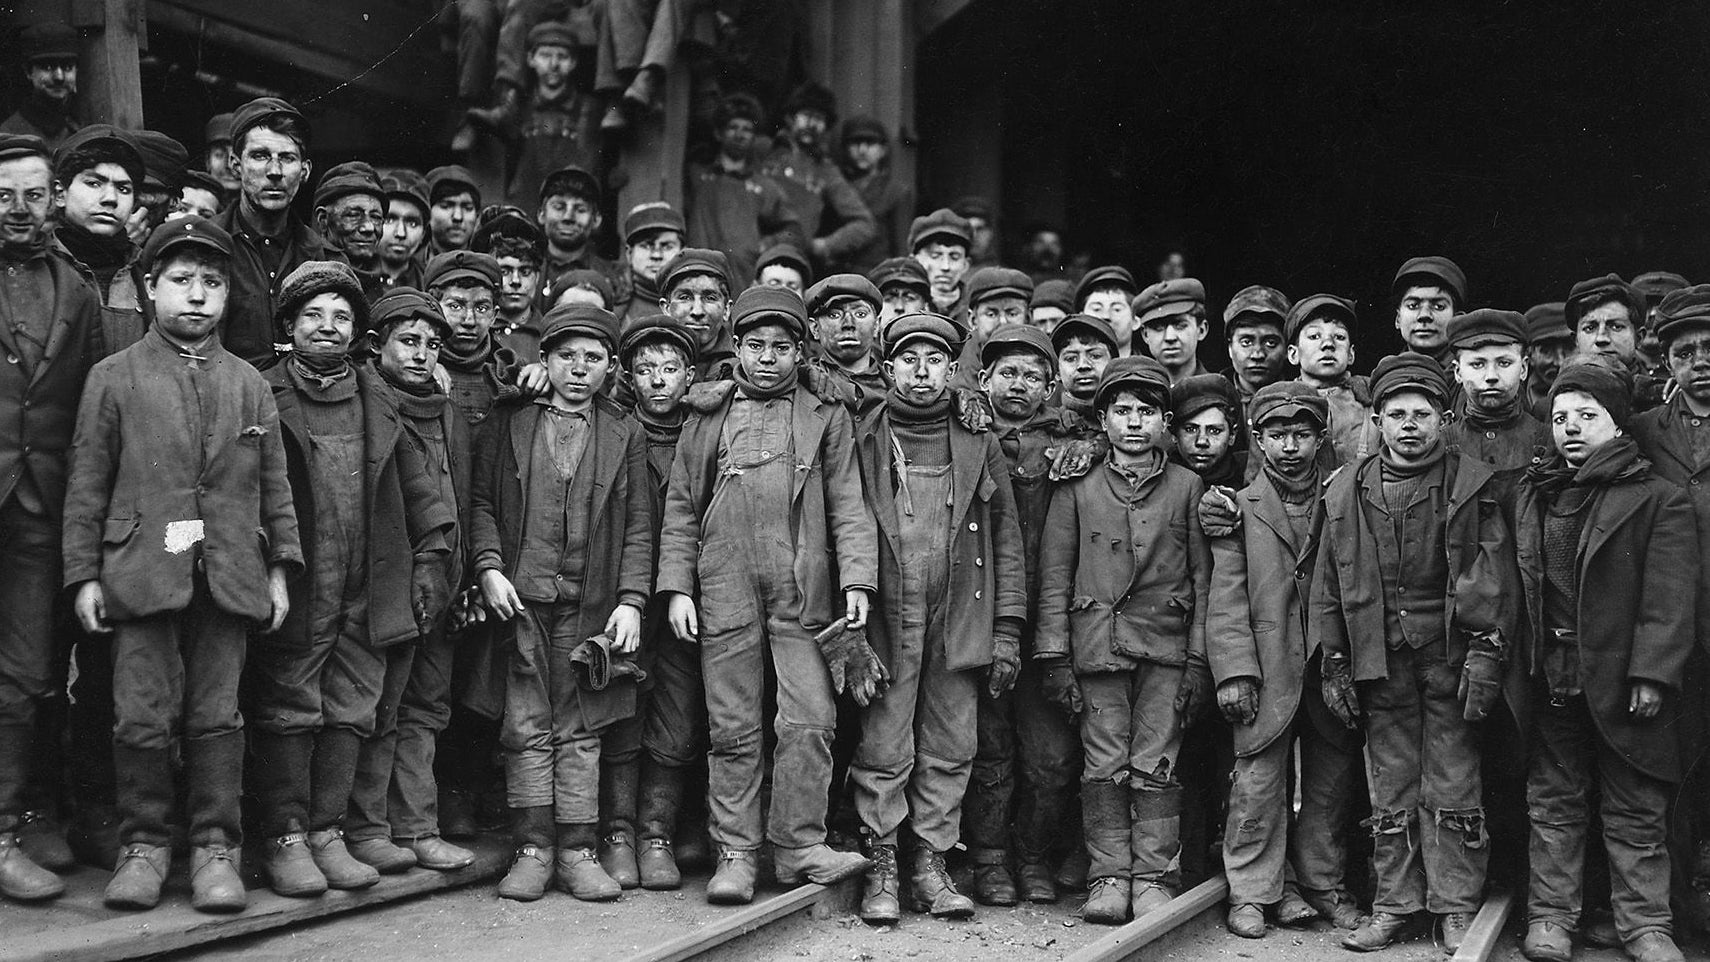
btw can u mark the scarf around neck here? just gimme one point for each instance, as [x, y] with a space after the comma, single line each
[1617, 459]
[1479, 419]
[1295, 489]
[1394, 467]
[754, 391]
[97, 253]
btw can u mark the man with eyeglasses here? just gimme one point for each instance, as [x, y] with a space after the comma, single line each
[1428, 292]
[350, 211]
[480, 371]
[519, 247]
[270, 146]
[695, 289]
[652, 236]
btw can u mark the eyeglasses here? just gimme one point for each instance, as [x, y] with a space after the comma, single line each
[461, 308]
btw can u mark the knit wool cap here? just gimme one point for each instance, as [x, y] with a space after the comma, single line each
[1143, 375]
[312, 278]
[1683, 310]
[769, 305]
[1409, 371]
[1610, 386]
[1288, 399]
[1486, 326]
[1191, 395]
[407, 303]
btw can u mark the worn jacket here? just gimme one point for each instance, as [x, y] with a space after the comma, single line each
[405, 514]
[988, 569]
[1663, 436]
[1638, 600]
[1124, 582]
[161, 484]
[126, 311]
[740, 214]
[814, 187]
[833, 530]
[1347, 590]
[249, 329]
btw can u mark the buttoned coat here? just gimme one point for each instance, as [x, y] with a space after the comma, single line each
[250, 329]
[1665, 438]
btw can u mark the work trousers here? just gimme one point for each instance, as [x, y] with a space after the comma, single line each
[1568, 756]
[1024, 768]
[335, 682]
[32, 662]
[1429, 845]
[552, 757]
[1132, 735]
[378, 757]
[477, 36]
[674, 717]
[637, 34]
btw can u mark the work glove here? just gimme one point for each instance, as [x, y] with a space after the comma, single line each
[1059, 685]
[972, 409]
[1218, 515]
[1193, 693]
[1006, 660]
[1337, 687]
[855, 666]
[826, 387]
[1075, 458]
[1481, 676]
[429, 593]
[1238, 699]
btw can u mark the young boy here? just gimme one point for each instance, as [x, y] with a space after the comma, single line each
[954, 582]
[560, 123]
[478, 370]
[1018, 378]
[766, 542]
[1320, 335]
[1489, 361]
[1549, 343]
[375, 552]
[1085, 346]
[1205, 417]
[903, 287]
[519, 248]
[1253, 329]
[563, 540]
[695, 289]
[1121, 631]
[1267, 682]
[1429, 292]
[180, 580]
[405, 230]
[1414, 588]
[997, 297]
[844, 310]
[1171, 323]
[1108, 293]
[652, 235]
[939, 242]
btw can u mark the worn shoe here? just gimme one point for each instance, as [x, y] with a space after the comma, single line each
[21, 879]
[457, 815]
[333, 859]
[657, 866]
[1149, 897]
[820, 864]
[1072, 873]
[1454, 926]
[1653, 947]
[879, 902]
[1339, 907]
[42, 839]
[1293, 910]
[1107, 901]
[440, 855]
[1600, 935]
[531, 872]
[993, 885]
[291, 870]
[580, 874]
[137, 878]
[216, 885]
[931, 889]
[1246, 920]
[1376, 932]
[733, 881]
[387, 857]
[1547, 942]
[1035, 883]
[617, 857]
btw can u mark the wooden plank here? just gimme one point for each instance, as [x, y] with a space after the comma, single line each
[929, 15]
[1126, 942]
[1486, 931]
[175, 925]
[110, 71]
[737, 924]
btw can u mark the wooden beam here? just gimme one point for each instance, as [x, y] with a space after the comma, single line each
[1485, 932]
[929, 15]
[109, 72]
[1125, 943]
[743, 921]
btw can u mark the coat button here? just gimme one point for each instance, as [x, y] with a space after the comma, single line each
[973, 526]
[978, 595]
[979, 562]
[11, 359]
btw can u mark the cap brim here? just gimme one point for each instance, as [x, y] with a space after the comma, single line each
[990, 293]
[191, 240]
[941, 234]
[1166, 310]
[933, 339]
[640, 229]
[1288, 409]
[462, 273]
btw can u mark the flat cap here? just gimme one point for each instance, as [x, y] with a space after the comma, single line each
[990, 282]
[1597, 289]
[1433, 271]
[1486, 326]
[506, 221]
[48, 41]
[901, 271]
[1138, 373]
[350, 177]
[105, 137]
[1084, 325]
[972, 206]
[656, 328]
[826, 292]
[1682, 310]
[406, 184]
[922, 326]
[1012, 337]
[578, 320]
[1191, 395]
[1546, 321]
[789, 255]
[164, 159]
[812, 96]
[218, 130]
[1288, 399]
[1258, 300]
[585, 278]
[1167, 298]
[571, 181]
[13, 146]
[943, 225]
[452, 266]
[1110, 275]
[768, 305]
[262, 109]
[451, 179]
[202, 180]
[558, 33]
[652, 216]
[407, 304]
[1409, 371]
[864, 127]
[313, 278]
[1055, 292]
[1318, 305]
[691, 261]
[187, 231]
[1656, 284]
[1611, 385]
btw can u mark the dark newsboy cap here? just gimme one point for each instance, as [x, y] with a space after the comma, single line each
[1486, 326]
[1683, 310]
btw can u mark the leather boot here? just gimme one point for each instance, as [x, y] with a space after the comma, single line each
[618, 859]
[1378, 931]
[1547, 942]
[1107, 900]
[1653, 947]
[1246, 920]
[1148, 895]
[619, 783]
[1105, 818]
[216, 885]
[820, 864]
[500, 118]
[291, 870]
[43, 840]
[213, 782]
[1033, 878]
[332, 777]
[279, 780]
[1293, 910]
[1454, 927]
[1073, 871]
[386, 857]
[579, 870]
[733, 881]
[661, 795]
[1155, 821]
[137, 878]
[433, 852]
[1339, 907]
[21, 879]
[530, 874]
[932, 891]
[334, 860]
[879, 900]
[993, 885]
